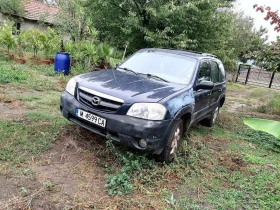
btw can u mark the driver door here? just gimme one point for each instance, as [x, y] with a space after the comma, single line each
[202, 97]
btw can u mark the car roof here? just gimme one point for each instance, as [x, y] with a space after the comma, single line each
[188, 53]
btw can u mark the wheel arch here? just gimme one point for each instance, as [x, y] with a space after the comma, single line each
[222, 101]
[186, 115]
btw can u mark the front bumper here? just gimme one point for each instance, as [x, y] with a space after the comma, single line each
[121, 128]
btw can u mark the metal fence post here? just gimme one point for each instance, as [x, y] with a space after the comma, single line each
[238, 72]
[248, 73]
[271, 80]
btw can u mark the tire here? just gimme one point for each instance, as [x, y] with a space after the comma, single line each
[210, 122]
[173, 143]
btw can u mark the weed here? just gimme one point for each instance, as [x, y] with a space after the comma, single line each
[12, 73]
[3, 58]
[264, 139]
[272, 107]
[23, 192]
[120, 182]
[258, 92]
[235, 87]
[48, 186]
[250, 158]
[18, 138]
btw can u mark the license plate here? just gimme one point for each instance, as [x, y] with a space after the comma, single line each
[91, 117]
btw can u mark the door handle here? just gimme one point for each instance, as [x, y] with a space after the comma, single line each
[220, 90]
[209, 94]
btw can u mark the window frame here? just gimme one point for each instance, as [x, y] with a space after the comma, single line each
[202, 61]
[212, 70]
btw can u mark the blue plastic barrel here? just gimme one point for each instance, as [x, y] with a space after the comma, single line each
[62, 63]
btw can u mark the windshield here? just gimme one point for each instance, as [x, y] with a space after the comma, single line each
[170, 67]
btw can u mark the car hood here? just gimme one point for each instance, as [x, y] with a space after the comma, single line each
[127, 86]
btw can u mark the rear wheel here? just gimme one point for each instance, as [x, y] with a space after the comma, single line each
[213, 119]
[173, 143]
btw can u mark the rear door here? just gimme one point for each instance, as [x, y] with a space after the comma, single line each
[202, 97]
[218, 78]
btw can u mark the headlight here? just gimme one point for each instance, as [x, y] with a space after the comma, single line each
[70, 87]
[149, 111]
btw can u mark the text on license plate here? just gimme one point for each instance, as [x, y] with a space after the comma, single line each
[91, 117]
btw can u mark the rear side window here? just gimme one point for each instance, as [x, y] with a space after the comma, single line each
[214, 72]
[204, 71]
[222, 72]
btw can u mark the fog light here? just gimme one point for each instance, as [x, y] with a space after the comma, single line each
[142, 143]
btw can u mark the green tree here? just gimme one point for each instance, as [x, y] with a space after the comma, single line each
[204, 25]
[190, 24]
[12, 7]
[269, 56]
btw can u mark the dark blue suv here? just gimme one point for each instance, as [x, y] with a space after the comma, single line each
[150, 100]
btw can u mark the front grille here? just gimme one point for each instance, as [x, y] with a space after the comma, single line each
[106, 104]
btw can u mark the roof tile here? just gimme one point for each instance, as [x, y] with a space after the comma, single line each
[35, 10]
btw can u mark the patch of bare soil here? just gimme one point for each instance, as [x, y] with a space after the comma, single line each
[232, 162]
[17, 190]
[7, 188]
[12, 110]
[72, 175]
[68, 176]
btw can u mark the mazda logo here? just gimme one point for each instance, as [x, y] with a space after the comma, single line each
[96, 101]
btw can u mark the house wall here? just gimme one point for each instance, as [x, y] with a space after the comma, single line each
[25, 24]
[2, 18]
[32, 24]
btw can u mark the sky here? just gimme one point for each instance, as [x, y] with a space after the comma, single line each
[247, 7]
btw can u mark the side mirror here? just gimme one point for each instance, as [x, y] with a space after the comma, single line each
[205, 85]
[117, 65]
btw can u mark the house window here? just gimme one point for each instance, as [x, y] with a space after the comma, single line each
[16, 30]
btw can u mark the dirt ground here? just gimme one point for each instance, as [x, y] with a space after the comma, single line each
[71, 174]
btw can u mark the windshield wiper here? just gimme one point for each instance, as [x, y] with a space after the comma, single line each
[127, 69]
[155, 76]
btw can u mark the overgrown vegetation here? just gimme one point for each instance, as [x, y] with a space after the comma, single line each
[228, 166]
[272, 107]
[180, 24]
[13, 74]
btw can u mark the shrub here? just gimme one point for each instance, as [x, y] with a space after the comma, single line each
[34, 39]
[50, 43]
[6, 37]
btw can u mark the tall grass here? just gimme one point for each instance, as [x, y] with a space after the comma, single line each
[11, 73]
[272, 107]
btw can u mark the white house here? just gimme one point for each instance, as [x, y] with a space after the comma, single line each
[34, 13]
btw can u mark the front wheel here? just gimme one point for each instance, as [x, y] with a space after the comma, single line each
[173, 143]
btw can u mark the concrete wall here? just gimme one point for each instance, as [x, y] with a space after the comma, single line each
[31, 24]
[2, 18]
[25, 24]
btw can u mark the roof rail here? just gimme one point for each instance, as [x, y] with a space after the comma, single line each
[208, 54]
[202, 53]
[192, 51]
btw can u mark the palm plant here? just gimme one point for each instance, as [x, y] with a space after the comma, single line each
[109, 56]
